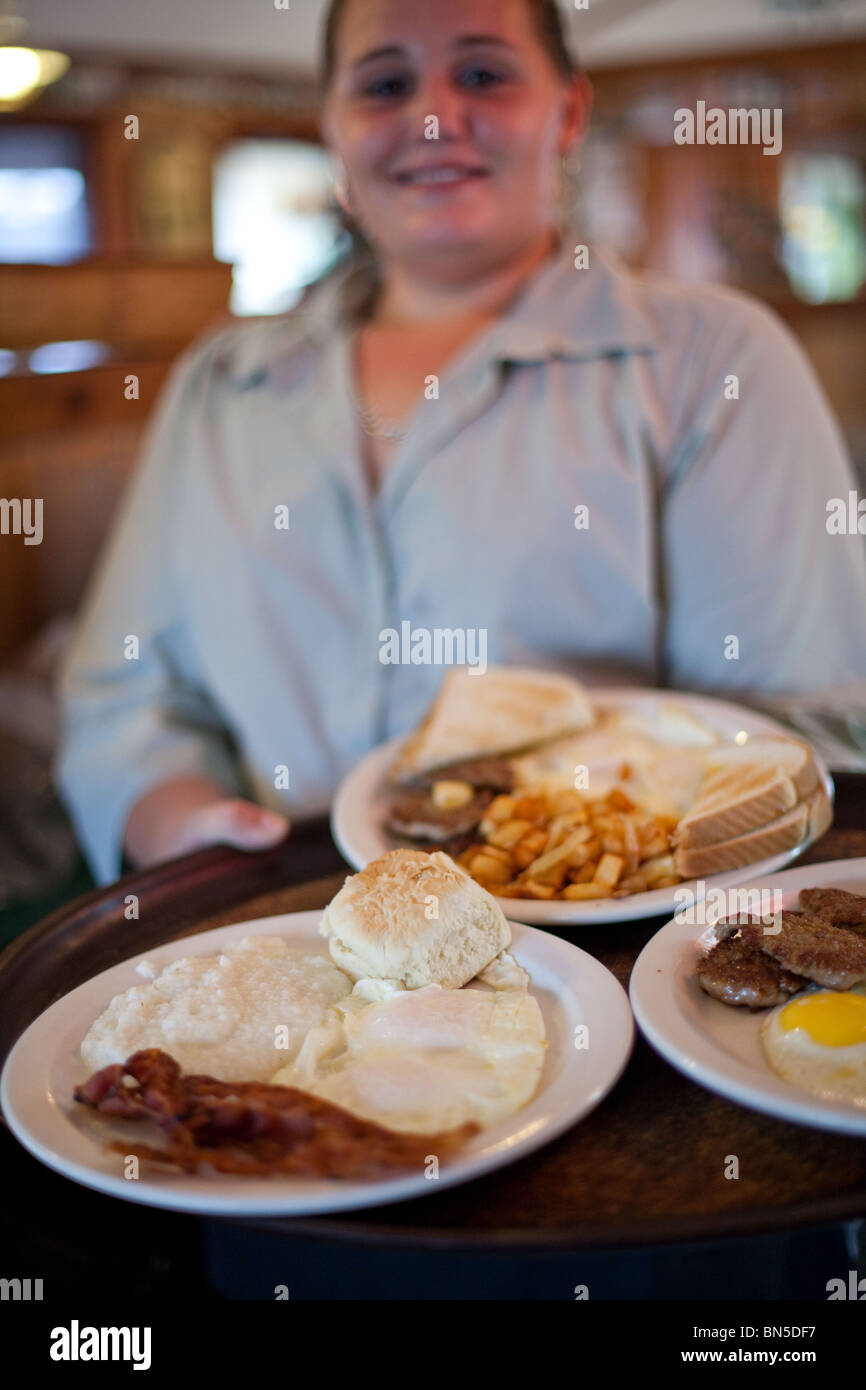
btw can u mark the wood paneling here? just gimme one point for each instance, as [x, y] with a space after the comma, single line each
[121, 302]
[80, 475]
[74, 400]
[72, 439]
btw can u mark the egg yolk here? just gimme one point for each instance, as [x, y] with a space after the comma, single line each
[834, 1020]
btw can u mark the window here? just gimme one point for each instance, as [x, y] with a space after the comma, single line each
[44, 216]
[824, 242]
[274, 221]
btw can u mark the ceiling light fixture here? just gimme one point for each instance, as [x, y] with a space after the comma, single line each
[24, 71]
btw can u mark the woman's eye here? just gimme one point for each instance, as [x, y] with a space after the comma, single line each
[398, 85]
[480, 77]
[387, 87]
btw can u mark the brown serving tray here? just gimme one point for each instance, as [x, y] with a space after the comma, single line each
[646, 1168]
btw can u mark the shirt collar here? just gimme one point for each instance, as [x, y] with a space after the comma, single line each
[562, 312]
[566, 311]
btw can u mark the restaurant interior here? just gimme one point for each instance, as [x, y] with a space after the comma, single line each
[162, 172]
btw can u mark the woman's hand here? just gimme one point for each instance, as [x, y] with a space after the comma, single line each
[188, 813]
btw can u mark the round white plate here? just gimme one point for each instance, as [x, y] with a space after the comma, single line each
[572, 989]
[361, 803]
[717, 1045]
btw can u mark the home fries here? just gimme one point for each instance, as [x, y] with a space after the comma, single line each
[538, 793]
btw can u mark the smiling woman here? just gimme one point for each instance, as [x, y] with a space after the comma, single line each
[453, 134]
[434, 417]
[452, 137]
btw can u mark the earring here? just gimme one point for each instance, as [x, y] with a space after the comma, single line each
[568, 171]
[567, 191]
[341, 187]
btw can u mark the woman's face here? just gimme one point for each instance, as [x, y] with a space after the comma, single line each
[487, 187]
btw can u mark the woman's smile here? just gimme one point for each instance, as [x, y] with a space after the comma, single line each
[442, 177]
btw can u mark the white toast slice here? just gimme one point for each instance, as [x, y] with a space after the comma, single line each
[746, 787]
[811, 816]
[487, 715]
[790, 755]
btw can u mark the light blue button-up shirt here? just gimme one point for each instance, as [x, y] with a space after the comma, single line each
[617, 478]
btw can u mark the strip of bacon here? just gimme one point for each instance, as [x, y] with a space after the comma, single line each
[248, 1127]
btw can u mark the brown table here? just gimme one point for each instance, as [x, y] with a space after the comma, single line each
[645, 1168]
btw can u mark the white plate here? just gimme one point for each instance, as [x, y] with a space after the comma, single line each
[720, 1046]
[42, 1070]
[361, 804]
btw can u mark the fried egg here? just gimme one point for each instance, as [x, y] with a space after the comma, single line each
[818, 1042]
[425, 1060]
[232, 1016]
[659, 763]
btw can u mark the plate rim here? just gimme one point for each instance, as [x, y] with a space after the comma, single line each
[606, 911]
[601, 984]
[736, 1081]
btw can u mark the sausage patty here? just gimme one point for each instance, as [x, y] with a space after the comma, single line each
[837, 907]
[740, 974]
[415, 815]
[831, 956]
